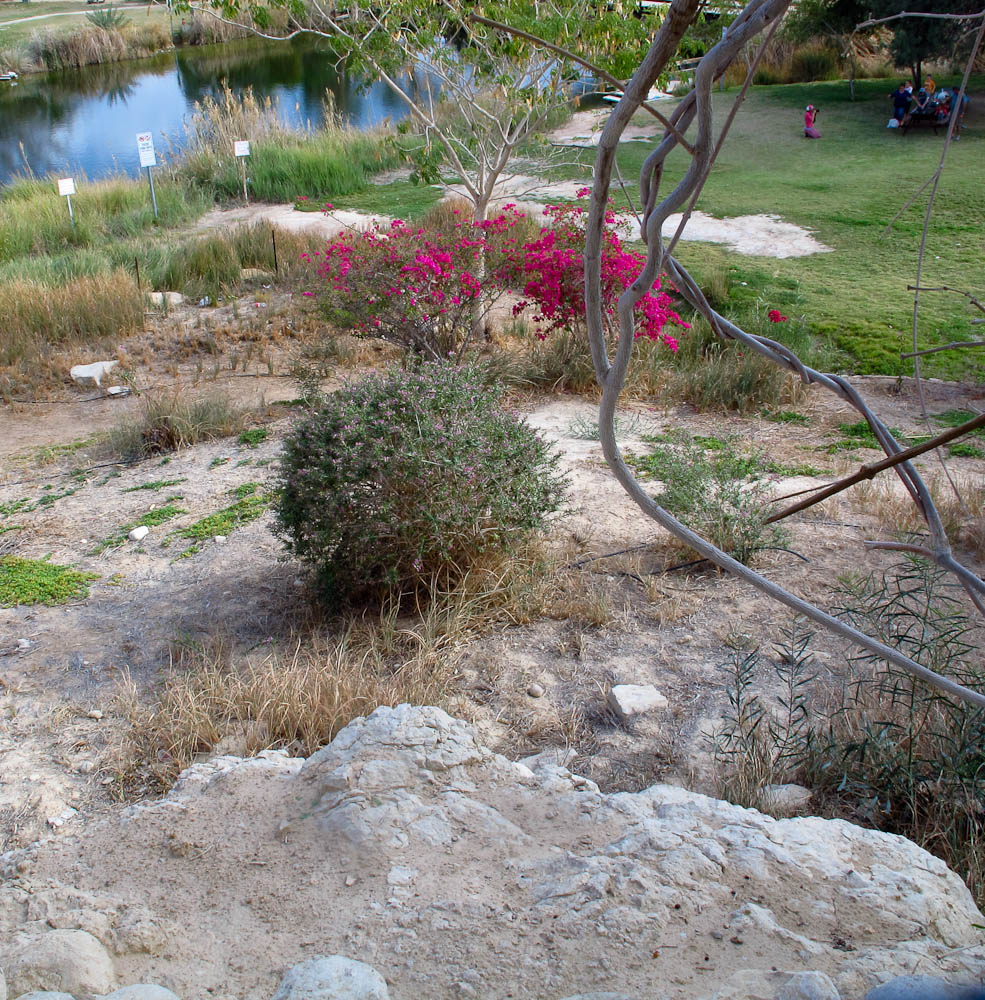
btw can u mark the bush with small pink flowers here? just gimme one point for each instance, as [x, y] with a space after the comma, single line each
[408, 478]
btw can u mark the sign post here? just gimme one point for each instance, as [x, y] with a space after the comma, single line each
[145, 149]
[66, 187]
[241, 147]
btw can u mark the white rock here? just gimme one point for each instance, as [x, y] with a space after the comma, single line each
[332, 978]
[23, 644]
[46, 995]
[535, 691]
[755, 984]
[166, 298]
[219, 539]
[94, 714]
[118, 391]
[94, 373]
[627, 700]
[139, 533]
[785, 800]
[68, 960]
[141, 991]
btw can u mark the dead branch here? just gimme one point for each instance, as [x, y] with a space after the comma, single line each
[871, 471]
[758, 16]
[953, 346]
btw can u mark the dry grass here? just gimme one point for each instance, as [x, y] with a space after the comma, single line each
[963, 518]
[85, 311]
[314, 682]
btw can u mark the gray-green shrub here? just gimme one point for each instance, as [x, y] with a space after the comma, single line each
[408, 479]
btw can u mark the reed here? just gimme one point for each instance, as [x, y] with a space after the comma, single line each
[84, 311]
[52, 49]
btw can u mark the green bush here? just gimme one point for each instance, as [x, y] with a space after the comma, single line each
[407, 479]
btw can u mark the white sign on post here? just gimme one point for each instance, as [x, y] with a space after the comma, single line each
[145, 147]
[241, 147]
[66, 186]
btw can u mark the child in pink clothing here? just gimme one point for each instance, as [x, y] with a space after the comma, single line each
[809, 115]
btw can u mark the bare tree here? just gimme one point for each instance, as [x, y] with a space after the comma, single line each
[611, 365]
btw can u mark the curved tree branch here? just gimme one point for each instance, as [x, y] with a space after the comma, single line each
[611, 371]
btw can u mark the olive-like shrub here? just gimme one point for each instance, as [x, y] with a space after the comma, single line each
[408, 478]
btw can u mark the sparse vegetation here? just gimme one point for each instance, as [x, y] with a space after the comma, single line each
[883, 748]
[38, 581]
[710, 493]
[152, 519]
[167, 422]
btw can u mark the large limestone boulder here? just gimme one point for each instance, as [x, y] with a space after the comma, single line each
[61, 960]
[332, 978]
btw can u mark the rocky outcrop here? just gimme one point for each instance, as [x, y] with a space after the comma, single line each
[408, 845]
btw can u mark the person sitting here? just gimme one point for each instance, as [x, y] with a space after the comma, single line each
[943, 108]
[923, 102]
[901, 102]
[929, 86]
[810, 113]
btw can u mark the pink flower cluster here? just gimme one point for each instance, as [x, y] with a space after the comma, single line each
[775, 316]
[552, 271]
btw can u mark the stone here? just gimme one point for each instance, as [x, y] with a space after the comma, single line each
[46, 995]
[141, 991]
[785, 800]
[924, 988]
[219, 539]
[139, 533]
[598, 996]
[332, 977]
[535, 691]
[756, 984]
[68, 960]
[95, 372]
[628, 700]
[166, 298]
[118, 391]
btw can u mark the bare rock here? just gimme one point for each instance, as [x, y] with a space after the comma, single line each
[627, 700]
[785, 800]
[166, 298]
[139, 533]
[141, 991]
[332, 978]
[67, 960]
[46, 995]
[924, 988]
[755, 984]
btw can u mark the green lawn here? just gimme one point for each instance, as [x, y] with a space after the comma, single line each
[66, 22]
[846, 187]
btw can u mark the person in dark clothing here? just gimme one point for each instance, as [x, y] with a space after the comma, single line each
[901, 102]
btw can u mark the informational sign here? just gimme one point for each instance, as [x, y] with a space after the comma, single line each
[145, 147]
[66, 185]
[241, 147]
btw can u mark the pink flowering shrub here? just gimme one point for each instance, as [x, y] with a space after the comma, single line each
[551, 273]
[430, 290]
[775, 316]
[422, 289]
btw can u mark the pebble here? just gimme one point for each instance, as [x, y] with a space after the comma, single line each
[95, 714]
[139, 533]
[219, 539]
[535, 691]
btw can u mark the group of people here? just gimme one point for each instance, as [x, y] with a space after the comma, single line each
[929, 104]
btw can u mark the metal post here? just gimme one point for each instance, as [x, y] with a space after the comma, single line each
[136, 267]
[153, 197]
[246, 197]
[273, 240]
[71, 214]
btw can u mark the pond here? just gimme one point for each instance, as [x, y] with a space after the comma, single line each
[85, 122]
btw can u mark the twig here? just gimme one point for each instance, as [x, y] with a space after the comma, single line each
[871, 471]
[947, 288]
[601, 73]
[953, 346]
[872, 22]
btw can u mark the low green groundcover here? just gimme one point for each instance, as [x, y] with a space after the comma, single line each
[37, 581]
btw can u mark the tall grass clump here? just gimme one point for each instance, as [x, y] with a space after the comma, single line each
[34, 317]
[882, 748]
[51, 49]
[168, 421]
[404, 482]
[205, 266]
[284, 162]
[33, 218]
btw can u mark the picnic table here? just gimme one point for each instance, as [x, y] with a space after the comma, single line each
[931, 114]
